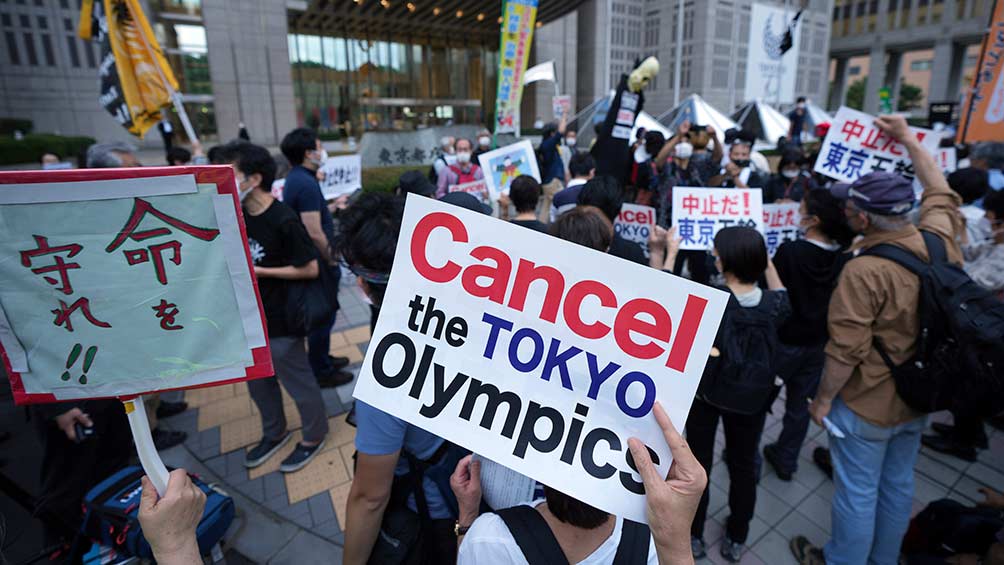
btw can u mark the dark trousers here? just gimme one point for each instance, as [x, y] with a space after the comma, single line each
[968, 428]
[742, 435]
[71, 469]
[319, 340]
[800, 367]
[697, 262]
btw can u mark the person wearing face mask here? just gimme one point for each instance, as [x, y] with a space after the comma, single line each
[302, 193]
[790, 183]
[737, 172]
[567, 150]
[282, 251]
[809, 269]
[462, 172]
[484, 144]
[797, 119]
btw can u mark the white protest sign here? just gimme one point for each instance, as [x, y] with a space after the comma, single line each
[120, 282]
[342, 175]
[780, 224]
[854, 146]
[562, 106]
[539, 354]
[947, 159]
[634, 223]
[698, 213]
[477, 189]
[501, 166]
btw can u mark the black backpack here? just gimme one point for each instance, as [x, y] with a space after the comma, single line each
[959, 359]
[539, 546]
[741, 378]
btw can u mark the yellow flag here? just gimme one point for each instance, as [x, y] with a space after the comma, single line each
[136, 81]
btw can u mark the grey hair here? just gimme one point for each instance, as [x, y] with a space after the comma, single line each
[445, 141]
[106, 155]
[887, 223]
[991, 152]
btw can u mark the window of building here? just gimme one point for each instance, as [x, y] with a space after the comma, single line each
[50, 56]
[40, 3]
[921, 65]
[71, 47]
[854, 70]
[64, 4]
[68, 25]
[29, 48]
[25, 21]
[89, 54]
[5, 20]
[43, 22]
[15, 57]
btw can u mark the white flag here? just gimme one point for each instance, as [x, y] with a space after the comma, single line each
[543, 71]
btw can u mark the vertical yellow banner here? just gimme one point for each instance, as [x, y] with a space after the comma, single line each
[518, 20]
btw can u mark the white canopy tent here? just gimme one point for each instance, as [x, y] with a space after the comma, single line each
[765, 122]
[645, 120]
[816, 116]
[699, 112]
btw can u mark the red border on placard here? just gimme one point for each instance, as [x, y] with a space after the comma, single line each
[223, 177]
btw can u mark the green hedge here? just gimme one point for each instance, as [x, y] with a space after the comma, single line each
[9, 125]
[384, 179]
[33, 146]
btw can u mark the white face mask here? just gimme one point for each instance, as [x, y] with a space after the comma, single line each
[243, 193]
[485, 141]
[800, 106]
[539, 124]
[789, 174]
[570, 141]
[464, 157]
[322, 156]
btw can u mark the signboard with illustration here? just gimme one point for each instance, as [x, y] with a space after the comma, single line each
[501, 166]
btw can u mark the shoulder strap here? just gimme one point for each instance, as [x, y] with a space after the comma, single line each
[533, 535]
[900, 256]
[634, 545]
[935, 247]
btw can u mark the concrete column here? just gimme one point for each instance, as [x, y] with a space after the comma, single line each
[944, 86]
[876, 78]
[892, 76]
[249, 67]
[838, 96]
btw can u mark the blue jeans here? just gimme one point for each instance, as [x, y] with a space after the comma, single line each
[873, 479]
[319, 340]
[800, 367]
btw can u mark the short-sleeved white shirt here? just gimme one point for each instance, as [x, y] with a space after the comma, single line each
[489, 541]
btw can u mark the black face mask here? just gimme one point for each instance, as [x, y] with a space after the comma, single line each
[742, 163]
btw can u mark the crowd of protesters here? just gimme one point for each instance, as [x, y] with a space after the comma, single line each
[810, 319]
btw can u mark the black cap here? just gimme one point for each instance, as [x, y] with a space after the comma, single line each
[468, 201]
[415, 182]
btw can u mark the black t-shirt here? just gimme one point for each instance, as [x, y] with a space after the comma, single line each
[629, 250]
[532, 224]
[810, 273]
[277, 238]
[797, 121]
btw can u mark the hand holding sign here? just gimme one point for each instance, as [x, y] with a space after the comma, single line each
[169, 521]
[466, 485]
[672, 503]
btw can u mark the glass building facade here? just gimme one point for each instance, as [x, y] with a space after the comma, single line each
[390, 85]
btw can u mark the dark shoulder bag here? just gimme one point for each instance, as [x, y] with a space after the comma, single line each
[310, 303]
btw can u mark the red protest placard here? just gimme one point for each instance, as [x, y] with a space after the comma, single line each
[125, 282]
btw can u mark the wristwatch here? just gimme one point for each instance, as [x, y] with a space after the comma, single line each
[460, 530]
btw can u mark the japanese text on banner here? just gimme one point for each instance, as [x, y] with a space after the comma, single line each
[854, 147]
[126, 293]
[699, 213]
[536, 353]
[341, 175]
[780, 223]
[518, 18]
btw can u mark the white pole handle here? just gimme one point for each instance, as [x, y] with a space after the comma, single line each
[148, 455]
